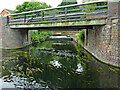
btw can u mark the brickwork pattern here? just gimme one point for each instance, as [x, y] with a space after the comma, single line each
[104, 42]
[12, 38]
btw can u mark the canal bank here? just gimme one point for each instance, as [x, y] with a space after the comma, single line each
[78, 44]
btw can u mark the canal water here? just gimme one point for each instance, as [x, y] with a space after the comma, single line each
[55, 65]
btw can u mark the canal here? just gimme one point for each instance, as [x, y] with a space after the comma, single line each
[55, 65]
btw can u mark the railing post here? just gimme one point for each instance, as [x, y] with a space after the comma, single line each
[24, 18]
[65, 13]
[42, 15]
[7, 19]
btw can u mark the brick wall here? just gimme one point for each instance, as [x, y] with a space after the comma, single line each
[104, 41]
[0, 33]
[12, 38]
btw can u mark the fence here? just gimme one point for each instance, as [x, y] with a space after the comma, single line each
[69, 12]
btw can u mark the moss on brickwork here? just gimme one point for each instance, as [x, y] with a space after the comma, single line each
[100, 59]
[81, 46]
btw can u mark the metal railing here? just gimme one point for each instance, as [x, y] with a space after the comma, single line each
[69, 12]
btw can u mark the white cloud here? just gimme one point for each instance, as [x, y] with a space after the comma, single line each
[11, 4]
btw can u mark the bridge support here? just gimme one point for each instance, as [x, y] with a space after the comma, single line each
[104, 41]
[12, 38]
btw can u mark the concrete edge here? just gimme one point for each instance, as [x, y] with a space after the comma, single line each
[16, 48]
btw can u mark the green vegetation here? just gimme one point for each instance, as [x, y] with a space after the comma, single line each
[29, 6]
[67, 2]
[83, 8]
[38, 37]
[84, 1]
[81, 36]
[93, 5]
[88, 8]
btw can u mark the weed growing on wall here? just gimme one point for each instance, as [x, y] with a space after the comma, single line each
[81, 36]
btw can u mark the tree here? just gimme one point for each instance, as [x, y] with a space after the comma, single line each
[67, 2]
[29, 6]
[88, 0]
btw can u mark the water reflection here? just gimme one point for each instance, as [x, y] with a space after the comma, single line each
[38, 68]
[56, 63]
[79, 69]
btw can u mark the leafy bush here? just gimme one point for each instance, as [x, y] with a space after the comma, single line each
[81, 36]
[30, 6]
[40, 36]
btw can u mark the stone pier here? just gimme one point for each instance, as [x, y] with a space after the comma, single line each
[104, 41]
[12, 38]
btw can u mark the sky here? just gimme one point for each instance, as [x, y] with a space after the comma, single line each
[11, 4]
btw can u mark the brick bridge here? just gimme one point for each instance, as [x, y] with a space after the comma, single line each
[101, 24]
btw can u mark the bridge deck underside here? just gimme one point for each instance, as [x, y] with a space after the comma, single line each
[69, 24]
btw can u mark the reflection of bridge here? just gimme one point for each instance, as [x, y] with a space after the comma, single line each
[101, 24]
